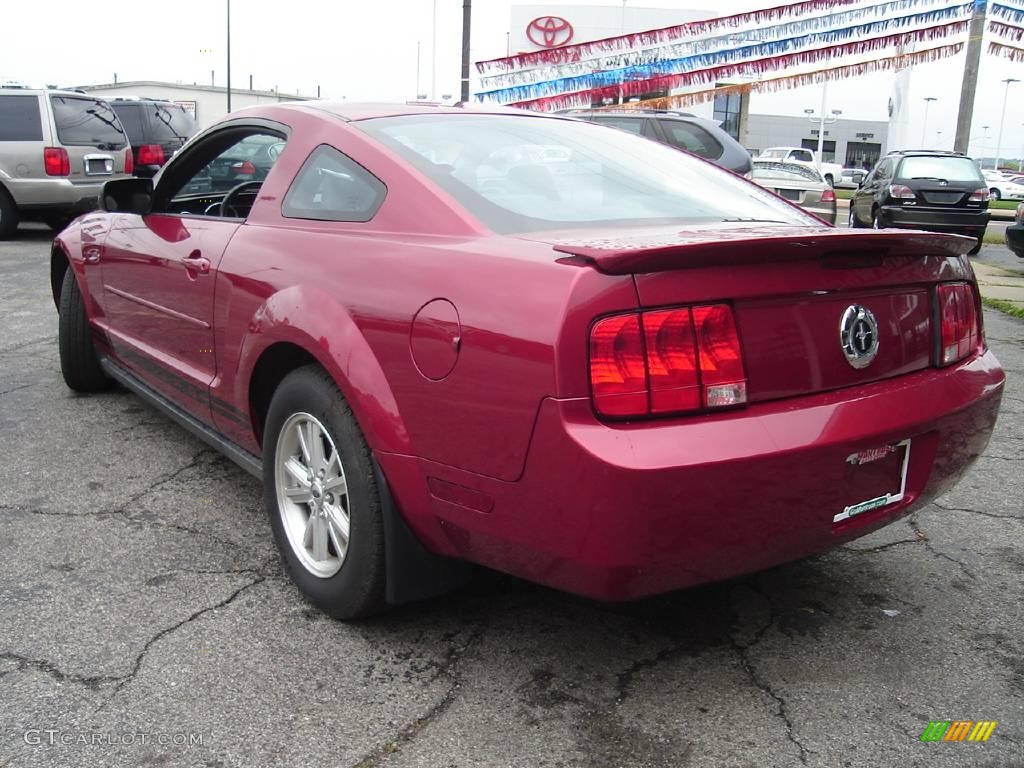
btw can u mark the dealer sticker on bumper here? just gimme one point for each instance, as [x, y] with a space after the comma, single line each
[891, 497]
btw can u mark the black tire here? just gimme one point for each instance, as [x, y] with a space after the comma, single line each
[977, 247]
[8, 216]
[358, 588]
[854, 221]
[876, 220]
[78, 361]
[57, 222]
[994, 194]
[830, 180]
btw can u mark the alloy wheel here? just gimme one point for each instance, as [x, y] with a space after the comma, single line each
[312, 495]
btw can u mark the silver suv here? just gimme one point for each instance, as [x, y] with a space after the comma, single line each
[56, 150]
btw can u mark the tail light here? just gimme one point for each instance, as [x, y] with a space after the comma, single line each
[901, 192]
[243, 168]
[129, 161]
[151, 154]
[958, 322]
[828, 196]
[979, 196]
[666, 361]
[56, 161]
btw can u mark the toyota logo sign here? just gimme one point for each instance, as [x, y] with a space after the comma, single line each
[549, 31]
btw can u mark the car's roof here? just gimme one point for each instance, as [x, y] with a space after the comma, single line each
[368, 110]
[17, 90]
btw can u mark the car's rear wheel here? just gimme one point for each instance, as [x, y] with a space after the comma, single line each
[322, 497]
[57, 222]
[994, 194]
[79, 364]
[8, 216]
[977, 246]
[854, 223]
[876, 221]
[830, 180]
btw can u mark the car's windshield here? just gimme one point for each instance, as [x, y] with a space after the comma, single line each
[773, 154]
[789, 171]
[947, 168]
[521, 173]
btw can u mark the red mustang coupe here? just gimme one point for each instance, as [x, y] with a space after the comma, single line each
[555, 349]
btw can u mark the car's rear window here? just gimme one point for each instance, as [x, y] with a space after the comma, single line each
[946, 168]
[524, 173]
[19, 118]
[789, 171]
[169, 121]
[85, 122]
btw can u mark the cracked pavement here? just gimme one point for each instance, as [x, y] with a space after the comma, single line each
[141, 593]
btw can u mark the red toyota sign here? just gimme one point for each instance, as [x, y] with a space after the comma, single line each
[549, 31]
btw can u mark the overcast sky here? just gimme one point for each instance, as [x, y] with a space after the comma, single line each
[367, 50]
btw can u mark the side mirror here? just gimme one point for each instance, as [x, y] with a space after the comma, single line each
[127, 196]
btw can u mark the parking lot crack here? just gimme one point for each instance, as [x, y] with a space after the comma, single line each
[14, 389]
[449, 669]
[140, 657]
[879, 548]
[923, 538]
[994, 515]
[782, 709]
[92, 682]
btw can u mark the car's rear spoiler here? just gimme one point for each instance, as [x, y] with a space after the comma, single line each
[696, 248]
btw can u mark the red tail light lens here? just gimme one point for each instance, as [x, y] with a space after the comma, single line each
[56, 161]
[244, 168]
[721, 359]
[684, 359]
[958, 322]
[979, 196]
[671, 360]
[901, 192]
[618, 376]
[828, 196]
[151, 154]
[129, 161]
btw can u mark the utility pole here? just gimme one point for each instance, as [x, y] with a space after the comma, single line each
[970, 81]
[1002, 119]
[467, 7]
[229, 55]
[924, 128]
[433, 55]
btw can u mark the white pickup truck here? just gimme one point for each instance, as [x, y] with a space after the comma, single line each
[801, 156]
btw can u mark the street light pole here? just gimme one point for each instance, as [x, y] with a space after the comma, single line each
[821, 124]
[433, 55]
[999, 141]
[924, 129]
[229, 55]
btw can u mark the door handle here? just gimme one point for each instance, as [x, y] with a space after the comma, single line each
[196, 263]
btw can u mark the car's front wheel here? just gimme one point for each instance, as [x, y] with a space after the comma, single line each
[79, 364]
[322, 496]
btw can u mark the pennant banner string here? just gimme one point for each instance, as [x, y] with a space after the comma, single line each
[885, 10]
[1011, 52]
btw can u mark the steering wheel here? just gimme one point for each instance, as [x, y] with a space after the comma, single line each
[227, 208]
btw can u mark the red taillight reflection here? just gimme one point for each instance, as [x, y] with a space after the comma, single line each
[617, 373]
[244, 168]
[56, 161]
[129, 161]
[671, 360]
[958, 322]
[687, 358]
[150, 154]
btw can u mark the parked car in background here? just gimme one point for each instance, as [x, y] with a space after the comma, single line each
[1015, 233]
[528, 342]
[1001, 187]
[799, 184]
[697, 135]
[931, 190]
[56, 150]
[829, 171]
[850, 178]
[250, 160]
[156, 129]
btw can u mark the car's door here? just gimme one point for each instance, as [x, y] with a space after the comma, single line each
[159, 271]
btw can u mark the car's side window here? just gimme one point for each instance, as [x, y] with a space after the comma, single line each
[692, 138]
[333, 187]
[631, 124]
[883, 171]
[221, 175]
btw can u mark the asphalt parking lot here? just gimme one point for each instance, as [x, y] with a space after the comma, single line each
[145, 619]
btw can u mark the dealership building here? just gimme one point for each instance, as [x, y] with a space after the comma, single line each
[206, 103]
[849, 142]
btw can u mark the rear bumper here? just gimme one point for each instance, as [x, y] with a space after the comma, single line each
[621, 512]
[1015, 239]
[57, 194]
[971, 223]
